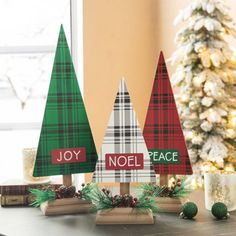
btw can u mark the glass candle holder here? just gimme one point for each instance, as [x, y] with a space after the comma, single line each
[220, 187]
[29, 155]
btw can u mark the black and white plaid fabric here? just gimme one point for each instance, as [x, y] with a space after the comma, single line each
[123, 135]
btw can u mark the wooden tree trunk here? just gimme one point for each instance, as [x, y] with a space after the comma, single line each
[163, 180]
[67, 180]
[124, 188]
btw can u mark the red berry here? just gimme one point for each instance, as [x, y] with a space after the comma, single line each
[135, 199]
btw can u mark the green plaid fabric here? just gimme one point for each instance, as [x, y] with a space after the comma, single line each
[65, 122]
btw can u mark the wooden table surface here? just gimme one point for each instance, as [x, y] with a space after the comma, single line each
[28, 221]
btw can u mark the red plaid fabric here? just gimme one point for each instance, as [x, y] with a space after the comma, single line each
[162, 128]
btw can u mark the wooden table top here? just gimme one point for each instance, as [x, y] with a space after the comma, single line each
[28, 221]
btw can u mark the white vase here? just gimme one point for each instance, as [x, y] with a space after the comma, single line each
[220, 188]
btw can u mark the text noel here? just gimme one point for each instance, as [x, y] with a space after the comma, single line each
[124, 161]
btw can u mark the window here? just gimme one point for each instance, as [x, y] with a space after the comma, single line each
[29, 32]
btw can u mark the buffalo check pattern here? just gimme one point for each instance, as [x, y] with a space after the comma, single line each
[65, 122]
[123, 135]
[162, 128]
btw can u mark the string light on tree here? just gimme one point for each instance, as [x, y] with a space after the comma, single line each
[232, 119]
[229, 168]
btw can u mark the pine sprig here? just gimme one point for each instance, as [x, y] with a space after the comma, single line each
[49, 194]
[46, 194]
[103, 199]
[182, 191]
[178, 189]
[146, 203]
[150, 190]
[87, 190]
[100, 199]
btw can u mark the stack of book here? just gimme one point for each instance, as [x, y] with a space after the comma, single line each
[16, 192]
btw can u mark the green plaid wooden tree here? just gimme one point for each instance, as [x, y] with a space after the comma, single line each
[65, 130]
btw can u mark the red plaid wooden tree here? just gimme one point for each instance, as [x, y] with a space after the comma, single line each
[162, 131]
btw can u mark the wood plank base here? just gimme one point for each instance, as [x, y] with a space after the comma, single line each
[126, 215]
[65, 206]
[169, 205]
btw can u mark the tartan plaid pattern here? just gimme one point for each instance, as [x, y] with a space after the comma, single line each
[22, 189]
[123, 135]
[162, 128]
[65, 122]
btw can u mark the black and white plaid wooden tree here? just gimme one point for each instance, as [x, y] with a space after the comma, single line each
[124, 139]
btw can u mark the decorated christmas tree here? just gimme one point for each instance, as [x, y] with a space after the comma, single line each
[66, 144]
[205, 78]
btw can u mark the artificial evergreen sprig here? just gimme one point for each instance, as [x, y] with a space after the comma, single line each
[103, 199]
[145, 202]
[46, 194]
[49, 194]
[181, 189]
[86, 190]
[178, 189]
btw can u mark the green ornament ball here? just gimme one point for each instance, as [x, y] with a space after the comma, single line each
[219, 210]
[189, 210]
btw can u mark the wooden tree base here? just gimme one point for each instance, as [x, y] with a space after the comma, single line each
[65, 206]
[169, 205]
[124, 216]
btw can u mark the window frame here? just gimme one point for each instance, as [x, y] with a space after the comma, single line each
[76, 42]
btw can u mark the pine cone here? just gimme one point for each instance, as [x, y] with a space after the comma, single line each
[62, 189]
[71, 191]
